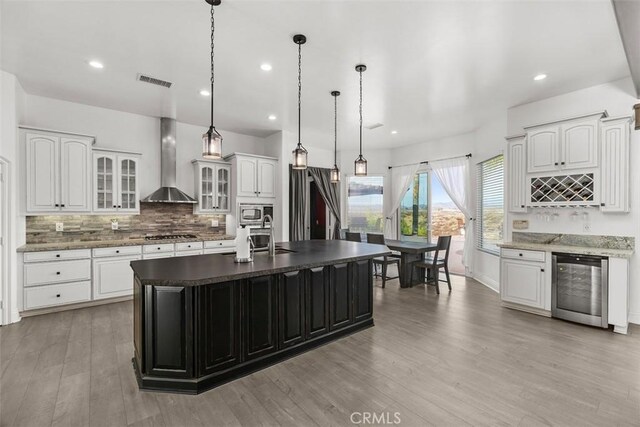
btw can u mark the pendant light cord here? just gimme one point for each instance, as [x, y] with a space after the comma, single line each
[335, 130]
[361, 113]
[299, 88]
[213, 28]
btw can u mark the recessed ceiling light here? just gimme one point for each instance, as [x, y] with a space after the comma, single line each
[540, 77]
[96, 64]
[204, 92]
[266, 67]
[272, 117]
[393, 132]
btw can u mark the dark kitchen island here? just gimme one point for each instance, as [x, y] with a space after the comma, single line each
[204, 320]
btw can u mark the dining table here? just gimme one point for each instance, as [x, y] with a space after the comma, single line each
[410, 251]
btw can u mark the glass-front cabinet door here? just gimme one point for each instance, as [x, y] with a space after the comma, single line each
[213, 186]
[128, 191]
[222, 192]
[104, 182]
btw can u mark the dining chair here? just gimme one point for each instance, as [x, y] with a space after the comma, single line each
[353, 237]
[432, 265]
[384, 261]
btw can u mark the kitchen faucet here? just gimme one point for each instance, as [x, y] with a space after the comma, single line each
[272, 243]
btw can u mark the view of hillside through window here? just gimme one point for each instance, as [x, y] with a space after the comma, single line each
[427, 211]
[364, 204]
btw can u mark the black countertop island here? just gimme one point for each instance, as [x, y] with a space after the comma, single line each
[203, 320]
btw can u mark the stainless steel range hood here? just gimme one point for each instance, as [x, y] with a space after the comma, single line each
[168, 193]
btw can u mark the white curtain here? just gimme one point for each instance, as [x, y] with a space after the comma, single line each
[399, 180]
[455, 178]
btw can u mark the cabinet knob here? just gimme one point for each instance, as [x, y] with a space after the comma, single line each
[57, 205]
[601, 204]
[188, 246]
[542, 269]
[562, 163]
[58, 273]
[519, 254]
[62, 206]
[117, 252]
[114, 206]
[159, 248]
[57, 255]
[119, 206]
[57, 295]
[522, 206]
[556, 163]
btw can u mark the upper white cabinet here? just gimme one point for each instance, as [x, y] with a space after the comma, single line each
[570, 144]
[58, 172]
[213, 186]
[516, 172]
[116, 177]
[255, 175]
[614, 136]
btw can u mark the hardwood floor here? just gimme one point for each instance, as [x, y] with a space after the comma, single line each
[453, 359]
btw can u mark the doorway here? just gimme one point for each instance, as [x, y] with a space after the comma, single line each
[317, 214]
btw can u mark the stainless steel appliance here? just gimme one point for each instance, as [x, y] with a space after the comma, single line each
[253, 214]
[579, 288]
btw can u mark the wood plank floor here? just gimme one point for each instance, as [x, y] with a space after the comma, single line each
[453, 359]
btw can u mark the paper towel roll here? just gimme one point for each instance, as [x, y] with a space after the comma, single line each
[243, 246]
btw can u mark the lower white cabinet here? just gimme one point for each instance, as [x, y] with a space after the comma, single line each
[52, 295]
[189, 253]
[523, 282]
[113, 277]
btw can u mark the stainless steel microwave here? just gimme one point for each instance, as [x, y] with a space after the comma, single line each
[252, 213]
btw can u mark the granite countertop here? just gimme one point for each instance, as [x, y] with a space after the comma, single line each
[206, 269]
[60, 246]
[582, 250]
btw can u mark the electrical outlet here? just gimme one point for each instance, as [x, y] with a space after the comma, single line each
[59, 226]
[215, 223]
[114, 224]
[586, 228]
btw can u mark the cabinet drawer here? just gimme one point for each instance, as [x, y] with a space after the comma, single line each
[229, 250]
[117, 251]
[161, 247]
[189, 253]
[526, 255]
[158, 255]
[220, 244]
[188, 246]
[57, 255]
[56, 272]
[64, 293]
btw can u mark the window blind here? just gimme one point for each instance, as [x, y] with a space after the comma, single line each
[490, 205]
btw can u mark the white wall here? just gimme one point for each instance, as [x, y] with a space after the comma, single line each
[133, 132]
[12, 105]
[618, 99]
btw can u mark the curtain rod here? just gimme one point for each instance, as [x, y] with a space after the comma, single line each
[426, 162]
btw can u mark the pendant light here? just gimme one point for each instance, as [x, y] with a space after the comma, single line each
[335, 172]
[300, 153]
[212, 140]
[361, 162]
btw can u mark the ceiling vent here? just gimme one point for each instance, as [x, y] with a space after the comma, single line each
[374, 126]
[154, 81]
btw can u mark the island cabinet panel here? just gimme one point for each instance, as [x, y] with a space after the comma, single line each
[363, 289]
[341, 296]
[291, 295]
[317, 302]
[169, 331]
[260, 316]
[218, 324]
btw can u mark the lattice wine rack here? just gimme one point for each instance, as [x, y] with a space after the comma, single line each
[578, 189]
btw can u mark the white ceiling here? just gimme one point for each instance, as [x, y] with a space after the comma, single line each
[435, 68]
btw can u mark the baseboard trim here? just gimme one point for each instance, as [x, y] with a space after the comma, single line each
[488, 282]
[532, 310]
[634, 318]
[56, 309]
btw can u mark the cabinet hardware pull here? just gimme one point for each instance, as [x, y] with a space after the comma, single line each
[522, 206]
[117, 252]
[542, 269]
[58, 273]
[158, 248]
[601, 204]
[57, 255]
[520, 254]
[62, 206]
[57, 295]
[57, 205]
[119, 206]
[562, 163]
[114, 206]
[556, 163]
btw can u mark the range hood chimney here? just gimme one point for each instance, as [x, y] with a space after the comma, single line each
[168, 192]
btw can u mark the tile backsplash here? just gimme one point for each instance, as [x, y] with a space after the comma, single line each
[154, 218]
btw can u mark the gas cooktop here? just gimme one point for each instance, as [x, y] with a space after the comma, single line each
[170, 236]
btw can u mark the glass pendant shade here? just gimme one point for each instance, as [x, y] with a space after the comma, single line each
[212, 144]
[361, 166]
[299, 160]
[335, 175]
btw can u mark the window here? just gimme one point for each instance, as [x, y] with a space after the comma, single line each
[490, 215]
[364, 204]
[414, 208]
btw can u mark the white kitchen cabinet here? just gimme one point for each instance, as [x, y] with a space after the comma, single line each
[516, 174]
[255, 175]
[614, 137]
[213, 186]
[579, 144]
[522, 282]
[116, 177]
[543, 149]
[58, 172]
[113, 276]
